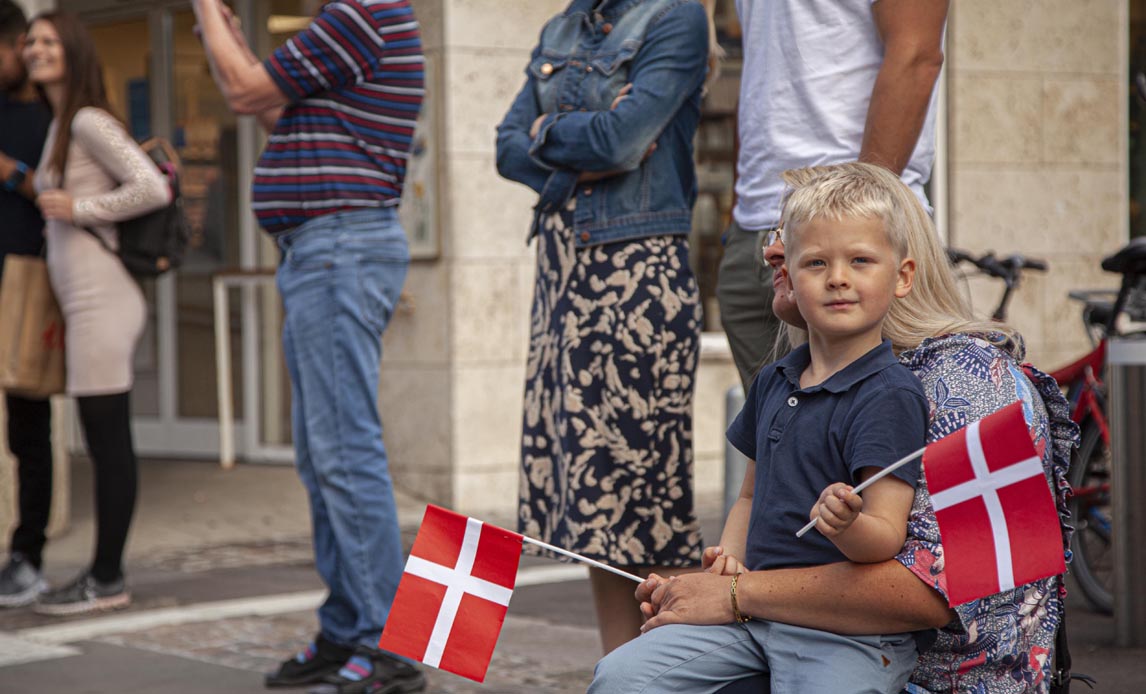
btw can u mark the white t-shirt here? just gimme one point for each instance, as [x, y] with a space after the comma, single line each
[809, 68]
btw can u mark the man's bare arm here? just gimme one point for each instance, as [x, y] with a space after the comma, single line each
[246, 85]
[912, 35]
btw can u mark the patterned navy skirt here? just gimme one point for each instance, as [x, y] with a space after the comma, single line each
[607, 443]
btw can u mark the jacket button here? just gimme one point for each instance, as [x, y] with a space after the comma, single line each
[567, 107]
[588, 68]
[547, 69]
[587, 191]
[585, 236]
[607, 28]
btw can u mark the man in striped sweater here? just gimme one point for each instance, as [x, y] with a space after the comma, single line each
[339, 101]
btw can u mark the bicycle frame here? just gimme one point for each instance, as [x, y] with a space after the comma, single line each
[1084, 388]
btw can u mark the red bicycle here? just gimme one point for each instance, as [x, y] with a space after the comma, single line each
[1103, 312]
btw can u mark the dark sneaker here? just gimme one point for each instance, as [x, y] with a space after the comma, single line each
[20, 582]
[319, 660]
[85, 594]
[371, 671]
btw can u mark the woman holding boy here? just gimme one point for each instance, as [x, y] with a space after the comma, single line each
[999, 644]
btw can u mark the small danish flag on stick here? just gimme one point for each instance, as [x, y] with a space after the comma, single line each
[453, 596]
[997, 519]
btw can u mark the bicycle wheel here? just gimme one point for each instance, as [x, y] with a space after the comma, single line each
[1093, 562]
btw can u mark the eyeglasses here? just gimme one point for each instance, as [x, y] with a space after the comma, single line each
[773, 237]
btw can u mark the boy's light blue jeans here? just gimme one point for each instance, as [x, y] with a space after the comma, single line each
[340, 277]
[703, 659]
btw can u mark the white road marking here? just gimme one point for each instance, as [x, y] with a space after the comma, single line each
[148, 619]
[16, 651]
[264, 606]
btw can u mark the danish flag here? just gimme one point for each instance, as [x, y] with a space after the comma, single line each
[452, 598]
[997, 520]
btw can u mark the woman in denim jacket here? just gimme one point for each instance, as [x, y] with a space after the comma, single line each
[603, 132]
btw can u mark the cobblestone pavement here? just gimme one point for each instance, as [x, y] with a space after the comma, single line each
[244, 554]
[532, 656]
[202, 537]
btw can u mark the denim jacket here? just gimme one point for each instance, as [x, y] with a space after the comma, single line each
[582, 62]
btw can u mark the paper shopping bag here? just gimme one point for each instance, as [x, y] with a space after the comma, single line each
[31, 330]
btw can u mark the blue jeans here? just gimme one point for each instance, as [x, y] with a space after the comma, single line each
[703, 659]
[340, 277]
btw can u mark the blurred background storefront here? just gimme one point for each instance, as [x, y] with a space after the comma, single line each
[1041, 152]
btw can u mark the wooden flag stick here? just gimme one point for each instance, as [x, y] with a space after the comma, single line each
[871, 480]
[584, 560]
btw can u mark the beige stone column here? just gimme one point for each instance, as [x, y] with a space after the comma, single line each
[1038, 151]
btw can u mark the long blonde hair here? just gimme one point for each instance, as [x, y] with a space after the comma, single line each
[935, 305]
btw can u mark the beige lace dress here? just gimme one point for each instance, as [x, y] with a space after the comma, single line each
[110, 179]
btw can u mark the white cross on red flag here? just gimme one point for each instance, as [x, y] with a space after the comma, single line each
[452, 598]
[997, 519]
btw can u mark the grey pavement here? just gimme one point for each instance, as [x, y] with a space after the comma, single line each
[224, 586]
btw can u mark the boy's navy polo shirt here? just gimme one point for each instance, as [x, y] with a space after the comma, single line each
[869, 414]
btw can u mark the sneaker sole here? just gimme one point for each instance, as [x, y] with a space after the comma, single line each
[25, 598]
[273, 681]
[408, 685]
[114, 602]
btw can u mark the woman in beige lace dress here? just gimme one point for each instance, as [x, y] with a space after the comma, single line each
[92, 175]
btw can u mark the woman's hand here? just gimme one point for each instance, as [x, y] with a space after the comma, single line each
[838, 507]
[593, 176]
[55, 204]
[536, 127]
[621, 96]
[701, 598]
[644, 594]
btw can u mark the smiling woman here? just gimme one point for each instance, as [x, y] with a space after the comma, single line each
[92, 176]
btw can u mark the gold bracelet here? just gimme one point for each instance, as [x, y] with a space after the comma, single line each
[740, 619]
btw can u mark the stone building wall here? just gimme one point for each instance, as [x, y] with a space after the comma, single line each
[1038, 152]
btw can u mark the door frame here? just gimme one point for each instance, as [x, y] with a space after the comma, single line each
[168, 434]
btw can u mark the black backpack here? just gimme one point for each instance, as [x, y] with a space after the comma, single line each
[154, 243]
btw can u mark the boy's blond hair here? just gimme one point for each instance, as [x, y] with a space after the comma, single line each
[935, 305]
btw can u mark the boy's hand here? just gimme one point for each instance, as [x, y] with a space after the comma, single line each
[715, 561]
[710, 555]
[838, 507]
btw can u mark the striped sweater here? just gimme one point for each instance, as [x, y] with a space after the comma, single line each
[354, 78]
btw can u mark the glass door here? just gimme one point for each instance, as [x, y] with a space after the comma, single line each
[158, 82]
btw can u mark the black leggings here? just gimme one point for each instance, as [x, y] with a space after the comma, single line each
[106, 421]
